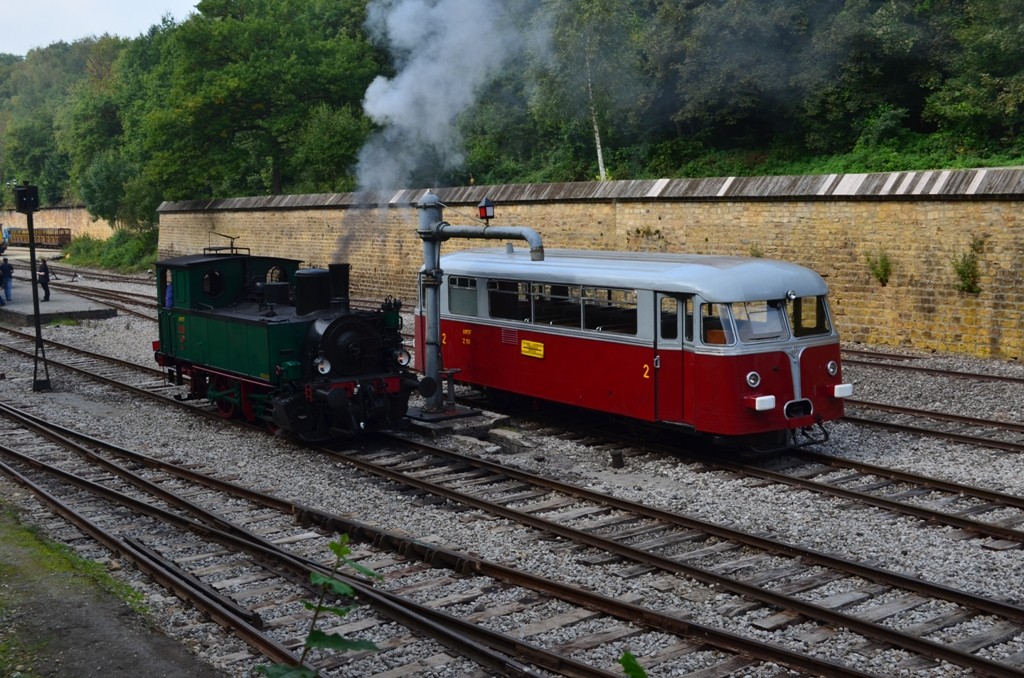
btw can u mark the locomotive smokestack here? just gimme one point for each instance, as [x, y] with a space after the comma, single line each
[340, 286]
[312, 291]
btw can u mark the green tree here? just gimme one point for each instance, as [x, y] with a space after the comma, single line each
[869, 71]
[244, 78]
[981, 104]
[34, 90]
[593, 80]
[325, 149]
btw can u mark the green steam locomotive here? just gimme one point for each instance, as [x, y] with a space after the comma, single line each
[267, 341]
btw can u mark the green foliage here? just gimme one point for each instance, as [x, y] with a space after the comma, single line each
[326, 149]
[880, 266]
[316, 639]
[250, 97]
[981, 104]
[967, 269]
[631, 666]
[126, 251]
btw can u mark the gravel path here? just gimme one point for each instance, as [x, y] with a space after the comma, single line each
[902, 544]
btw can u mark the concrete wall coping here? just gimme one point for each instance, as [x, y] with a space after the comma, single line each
[982, 184]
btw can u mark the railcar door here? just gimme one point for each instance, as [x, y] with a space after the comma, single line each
[674, 315]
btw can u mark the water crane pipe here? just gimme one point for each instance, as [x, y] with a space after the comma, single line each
[433, 230]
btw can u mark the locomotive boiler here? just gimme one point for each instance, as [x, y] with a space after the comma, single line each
[266, 341]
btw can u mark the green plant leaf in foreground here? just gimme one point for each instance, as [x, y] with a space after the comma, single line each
[632, 666]
[336, 586]
[333, 641]
[282, 671]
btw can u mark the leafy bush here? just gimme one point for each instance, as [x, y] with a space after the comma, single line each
[881, 267]
[967, 269]
[125, 251]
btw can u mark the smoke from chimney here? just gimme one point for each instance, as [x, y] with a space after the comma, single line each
[445, 51]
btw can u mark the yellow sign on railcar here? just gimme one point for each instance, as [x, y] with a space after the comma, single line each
[534, 349]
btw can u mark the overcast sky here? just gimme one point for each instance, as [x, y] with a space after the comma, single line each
[25, 24]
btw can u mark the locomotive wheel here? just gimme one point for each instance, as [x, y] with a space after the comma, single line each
[225, 408]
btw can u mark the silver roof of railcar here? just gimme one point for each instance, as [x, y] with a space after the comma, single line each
[715, 278]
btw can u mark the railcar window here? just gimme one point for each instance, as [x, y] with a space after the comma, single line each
[609, 310]
[716, 325]
[462, 295]
[760, 321]
[213, 283]
[276, 274]
[556, 305]
[669, 318]
[509, 299]
[688, 320]
[809, 317]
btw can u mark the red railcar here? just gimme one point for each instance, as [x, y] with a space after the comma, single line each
[740, 349]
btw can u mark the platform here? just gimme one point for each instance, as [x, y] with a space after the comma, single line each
[19, 311]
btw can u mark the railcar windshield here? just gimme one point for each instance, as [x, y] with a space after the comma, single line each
[760, 321]
[751, 322]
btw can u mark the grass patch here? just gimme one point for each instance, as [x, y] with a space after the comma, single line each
[25, 555]
[47, 556]
[64, 322]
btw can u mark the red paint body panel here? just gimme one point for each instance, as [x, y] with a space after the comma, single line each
[705, 391]
[715, 387]
[597, 375]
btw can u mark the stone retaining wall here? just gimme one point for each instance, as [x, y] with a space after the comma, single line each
[75, 218]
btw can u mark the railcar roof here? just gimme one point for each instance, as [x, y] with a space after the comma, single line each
[197, 259]
[715, 278]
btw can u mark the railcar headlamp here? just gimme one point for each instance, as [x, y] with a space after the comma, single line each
[323, 365]
[403, 357]
[753, 379]
[833, 368]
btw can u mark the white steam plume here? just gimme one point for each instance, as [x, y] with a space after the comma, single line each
[444, 51]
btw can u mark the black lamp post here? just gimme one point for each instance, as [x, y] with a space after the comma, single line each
[26, 201]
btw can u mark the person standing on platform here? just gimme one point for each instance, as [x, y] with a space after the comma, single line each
[44, 279]
[8, 275]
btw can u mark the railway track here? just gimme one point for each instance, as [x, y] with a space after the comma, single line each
[853, 599]
[141, 305]
[1000, 435]
[213, 549]
[250, 571]
[961, 426]
[777, 578]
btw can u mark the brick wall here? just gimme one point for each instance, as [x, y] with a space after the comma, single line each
[921, 230]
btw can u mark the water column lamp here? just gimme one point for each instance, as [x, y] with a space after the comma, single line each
[486, 208]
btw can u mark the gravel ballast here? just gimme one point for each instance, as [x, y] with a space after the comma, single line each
[902, 544]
